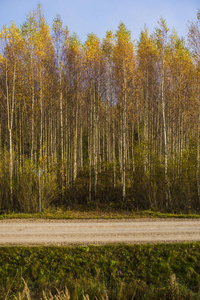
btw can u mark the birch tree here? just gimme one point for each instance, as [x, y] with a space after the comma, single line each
[108, 49]
[58, 38]
[124, 72]
[161, 37]
[11, 45]
[194, 41]
[93, 55]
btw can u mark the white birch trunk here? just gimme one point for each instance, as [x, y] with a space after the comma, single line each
[41, 118]
[61, 129]
[10, 112]
[33, 114]
[198, 157]
[124, 139]
[75, 140]
[90, 147]
[124, 151]
[167, 193]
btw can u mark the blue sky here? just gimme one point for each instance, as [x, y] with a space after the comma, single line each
[98, 16]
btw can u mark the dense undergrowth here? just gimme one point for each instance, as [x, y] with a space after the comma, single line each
[168, 271]
[142, 192]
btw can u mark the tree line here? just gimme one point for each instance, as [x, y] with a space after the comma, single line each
[113, 122]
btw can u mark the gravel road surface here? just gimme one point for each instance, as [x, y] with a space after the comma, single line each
[84, 232]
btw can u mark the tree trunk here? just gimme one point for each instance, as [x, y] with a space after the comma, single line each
[124, 138]
[167, 191]
[41, 119]
[33, 114]
[90, 147]
[124, 151]
[198, 157]
[75, 139]
[61, 131]
[10, 112]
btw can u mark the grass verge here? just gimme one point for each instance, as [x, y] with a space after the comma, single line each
[95, 214]
[162, 271]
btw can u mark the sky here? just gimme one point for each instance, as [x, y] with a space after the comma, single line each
[98, 16]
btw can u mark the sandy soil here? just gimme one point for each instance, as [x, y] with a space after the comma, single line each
[84, 232]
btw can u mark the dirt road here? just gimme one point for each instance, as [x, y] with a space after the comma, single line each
[70, 232]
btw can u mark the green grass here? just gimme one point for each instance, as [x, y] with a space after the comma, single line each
[94, 214]
[162, 271]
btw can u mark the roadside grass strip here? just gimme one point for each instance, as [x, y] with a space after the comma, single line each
[161, 271]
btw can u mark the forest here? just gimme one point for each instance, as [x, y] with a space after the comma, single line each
[112, 123]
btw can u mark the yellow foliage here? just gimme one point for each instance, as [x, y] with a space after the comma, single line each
[92, 48]
[2, 59]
